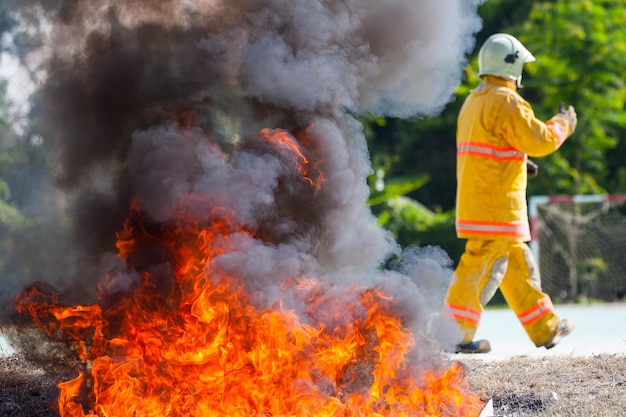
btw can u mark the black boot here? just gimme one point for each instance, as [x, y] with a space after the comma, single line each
[475, 346]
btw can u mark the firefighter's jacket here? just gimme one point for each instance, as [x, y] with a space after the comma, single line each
[497, 131]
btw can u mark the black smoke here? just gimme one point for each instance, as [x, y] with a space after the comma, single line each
[153, 101]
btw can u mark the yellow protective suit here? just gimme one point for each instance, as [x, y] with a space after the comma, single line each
[496, 131]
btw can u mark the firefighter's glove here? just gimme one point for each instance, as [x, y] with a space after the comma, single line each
[531, 168]
[569, 114]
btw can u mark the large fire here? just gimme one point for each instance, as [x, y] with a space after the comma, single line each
[191, 341]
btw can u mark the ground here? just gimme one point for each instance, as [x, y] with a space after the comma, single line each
[592, 386]
[589, 386]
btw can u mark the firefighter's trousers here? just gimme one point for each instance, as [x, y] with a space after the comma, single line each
[488, 264]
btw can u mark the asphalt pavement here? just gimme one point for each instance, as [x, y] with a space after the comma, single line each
[599, 329]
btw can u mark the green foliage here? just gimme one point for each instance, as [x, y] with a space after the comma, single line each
[589, 271]
[29, 215]
[414, 148]
[413, 224]
[10, 216]
[396, 187]
[580, 47]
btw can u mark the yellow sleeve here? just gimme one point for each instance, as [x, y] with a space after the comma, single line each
[522, 130]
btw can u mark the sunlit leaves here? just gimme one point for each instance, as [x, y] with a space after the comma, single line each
[580, 49]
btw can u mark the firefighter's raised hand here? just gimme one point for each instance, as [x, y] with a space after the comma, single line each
[569, 114]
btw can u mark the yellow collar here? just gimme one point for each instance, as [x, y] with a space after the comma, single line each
[507, 82]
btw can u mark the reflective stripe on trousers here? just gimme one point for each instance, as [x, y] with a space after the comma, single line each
[487, 265]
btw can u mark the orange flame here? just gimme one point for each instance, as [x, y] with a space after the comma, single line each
[200, 347]
[285, 140]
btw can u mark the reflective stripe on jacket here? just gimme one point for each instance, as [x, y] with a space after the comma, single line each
[496, 131]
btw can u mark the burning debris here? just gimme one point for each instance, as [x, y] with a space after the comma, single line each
[217, 176]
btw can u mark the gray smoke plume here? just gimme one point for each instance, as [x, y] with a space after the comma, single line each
[161, 103]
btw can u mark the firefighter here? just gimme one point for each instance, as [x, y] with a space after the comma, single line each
[496, 132]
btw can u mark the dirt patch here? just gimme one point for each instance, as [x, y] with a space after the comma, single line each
[26, 390]
[554, 386]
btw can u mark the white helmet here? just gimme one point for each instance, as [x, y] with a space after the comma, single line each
[503, 55]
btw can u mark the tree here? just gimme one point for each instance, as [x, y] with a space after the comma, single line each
[580, 46]
[33, 226]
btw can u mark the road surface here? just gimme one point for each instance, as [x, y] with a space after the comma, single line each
[600, 329]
